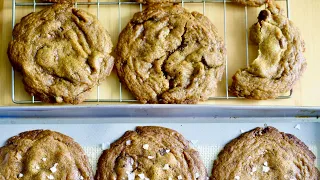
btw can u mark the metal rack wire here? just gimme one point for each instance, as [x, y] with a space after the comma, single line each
[34, 4]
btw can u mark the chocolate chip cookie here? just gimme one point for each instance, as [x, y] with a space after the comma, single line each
[168, 55]
[280, 62]
[62, 53]
[265, 153]
[151, 153]
[255, 3]
[43, 154]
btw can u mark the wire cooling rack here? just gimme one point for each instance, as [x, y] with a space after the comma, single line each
[98, 3]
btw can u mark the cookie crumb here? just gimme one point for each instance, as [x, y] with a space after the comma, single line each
[297, 127]
[241, 130]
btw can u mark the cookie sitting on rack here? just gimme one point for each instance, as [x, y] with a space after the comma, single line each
[280, 62]
[151, 153]
[255, 3]
[62, 53]
[168, 55]
[43, 154]
[265, 153]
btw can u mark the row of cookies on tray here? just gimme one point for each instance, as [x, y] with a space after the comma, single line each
[157, 153]
[165, 54]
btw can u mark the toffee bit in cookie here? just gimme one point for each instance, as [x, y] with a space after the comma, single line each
[20, 175]
[81, 178]
[166, 167]
[197, 175]
[37, 167]
[254, 169]
[131, 176]
[50, 177]
[141, 176]
[265, 163]
[180, 177]
[168, 150]
[265, 169]
[128, 142]
[237, 177]
[170, 178]
[150, 157]
[146, 146]
[44, 159]
[54, 168]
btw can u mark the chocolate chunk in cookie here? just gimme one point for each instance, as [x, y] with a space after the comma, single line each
[151, 153]
[280, 62]
[265, 153]
[168, 55]
[43, 154]
[62, 53]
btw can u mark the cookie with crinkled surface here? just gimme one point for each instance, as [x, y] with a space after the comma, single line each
[265, 153]
[280, 62]
[59, 1]
[150, 153]
[157, 1]
[42, 155]
[168, 55]
[255, 3]
[62, 53]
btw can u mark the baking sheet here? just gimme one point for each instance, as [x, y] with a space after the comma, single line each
[205, 135]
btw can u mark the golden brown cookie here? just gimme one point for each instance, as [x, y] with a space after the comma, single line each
[167, 55]
[151, 153]
[265, 153]
[280, 62]
[59, 1]
[62, 53]
[157, 1]
[255, 3]
[43, 154]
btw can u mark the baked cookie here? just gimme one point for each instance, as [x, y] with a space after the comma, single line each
[157, 1]
[265, 153]
[150, 153]
[43, 154]
[255, 3]
[167, 55]
[280, 62]
[62, 52]
[59, 1]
